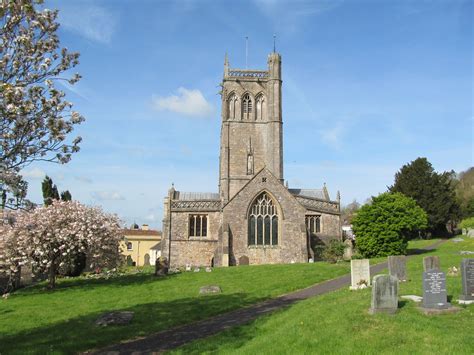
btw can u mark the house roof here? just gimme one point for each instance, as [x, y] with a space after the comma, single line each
[141, 232]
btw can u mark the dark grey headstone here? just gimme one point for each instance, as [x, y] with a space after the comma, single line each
[467, 274]
[431, 263]
[384, 294]
[397, 266]
[244, 260]
[434, 290]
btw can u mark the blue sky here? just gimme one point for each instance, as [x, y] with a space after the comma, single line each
[367, 87]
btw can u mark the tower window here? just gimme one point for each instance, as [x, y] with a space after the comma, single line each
[129, 246]
[313, 224]
[260, 108]
[232, 106]
[247, 106]
[263, 222]
[198, 225]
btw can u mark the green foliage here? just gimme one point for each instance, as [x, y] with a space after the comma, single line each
[50, 191]
[129, 261]
[334, 251]
[385, 226]
[467, 223]
[465, 192]
[432, 191]
[66, 196]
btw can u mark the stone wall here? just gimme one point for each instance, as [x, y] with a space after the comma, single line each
[188, 250]
[292, 240]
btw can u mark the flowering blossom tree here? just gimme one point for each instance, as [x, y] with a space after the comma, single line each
[49, 238]
[35, 117]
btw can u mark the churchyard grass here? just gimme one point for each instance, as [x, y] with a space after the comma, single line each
[339, 322]
[62, 321]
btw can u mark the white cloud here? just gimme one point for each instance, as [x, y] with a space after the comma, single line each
[34, 173]
[107, 196]
[187, 102]
[83, 179]
[333, 136]
[88, 20]
[289, 14]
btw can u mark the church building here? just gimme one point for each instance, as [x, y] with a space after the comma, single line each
[254, 218]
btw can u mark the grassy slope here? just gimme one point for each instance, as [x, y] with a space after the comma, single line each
[338, 322]
[39, 321]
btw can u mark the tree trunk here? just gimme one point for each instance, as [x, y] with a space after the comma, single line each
[52, 276]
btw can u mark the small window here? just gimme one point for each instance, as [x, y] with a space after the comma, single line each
[129, 246]
[313, 224]
[198, 225]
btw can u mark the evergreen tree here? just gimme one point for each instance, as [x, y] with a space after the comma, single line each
[50, 191]
[66, 196]
[432, 191]
[465, 192]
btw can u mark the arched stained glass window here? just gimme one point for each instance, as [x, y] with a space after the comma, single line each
[263, 222]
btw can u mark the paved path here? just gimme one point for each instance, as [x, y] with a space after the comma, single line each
[173, 338]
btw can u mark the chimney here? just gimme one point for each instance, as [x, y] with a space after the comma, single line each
[145, 227]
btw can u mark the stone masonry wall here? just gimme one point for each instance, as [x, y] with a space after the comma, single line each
[189, 250]
[292, 242]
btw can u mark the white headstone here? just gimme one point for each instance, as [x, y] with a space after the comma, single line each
[360, 274]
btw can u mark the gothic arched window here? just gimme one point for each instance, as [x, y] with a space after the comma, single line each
[263, 222]
[246, 106]
[260, 107]
[232, 101]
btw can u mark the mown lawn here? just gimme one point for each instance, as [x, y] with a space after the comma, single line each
[62, 321]
[338, 322]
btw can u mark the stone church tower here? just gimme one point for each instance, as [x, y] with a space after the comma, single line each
[254, 218]
[252, 132]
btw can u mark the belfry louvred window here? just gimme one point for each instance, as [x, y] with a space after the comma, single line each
[246, 106]
[263, 222]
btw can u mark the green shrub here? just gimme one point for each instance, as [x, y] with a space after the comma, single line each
[467, 223]
[334, 251]
[384, 227]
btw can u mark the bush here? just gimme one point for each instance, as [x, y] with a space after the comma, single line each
[384, 227]
[334, 251]
[467, 223]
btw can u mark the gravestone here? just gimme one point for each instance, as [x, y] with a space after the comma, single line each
[211, 289]
[360, 274]
[430, 263]
[115, 318]
[384, 294]
[188, 267]
[434, 290]
[467, 274]
[397, 266]
[161, 266]
[208, 269]
[244, 260]
[147, 260]
[348, 249]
